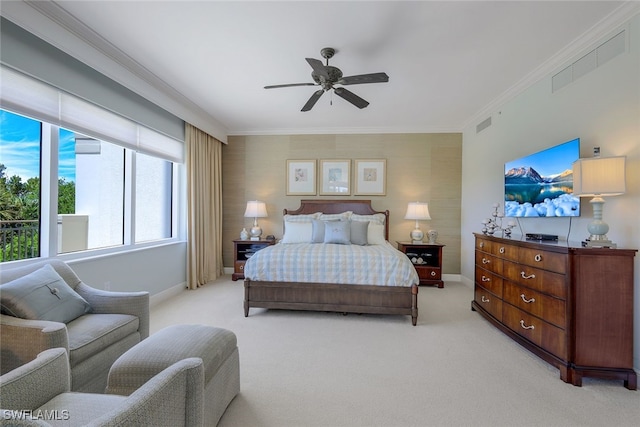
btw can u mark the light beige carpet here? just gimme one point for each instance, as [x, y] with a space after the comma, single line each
[452, 369]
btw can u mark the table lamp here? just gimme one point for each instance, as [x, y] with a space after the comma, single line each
[597, 177]
[255, 209]
[417, 211]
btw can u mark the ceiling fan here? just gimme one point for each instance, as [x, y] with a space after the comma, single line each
[326, 76]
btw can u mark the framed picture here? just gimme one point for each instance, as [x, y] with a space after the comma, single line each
[301, 177]
[371, 176]
[335, 177]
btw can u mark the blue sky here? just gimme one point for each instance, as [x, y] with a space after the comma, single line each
[551, 161]
[20, 148]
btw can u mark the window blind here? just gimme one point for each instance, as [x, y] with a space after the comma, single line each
[25, 95]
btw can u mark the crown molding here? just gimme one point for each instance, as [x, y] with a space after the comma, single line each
[53, 24]
[616, 20]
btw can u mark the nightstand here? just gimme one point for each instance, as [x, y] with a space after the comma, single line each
[242, 251]
[427, 260]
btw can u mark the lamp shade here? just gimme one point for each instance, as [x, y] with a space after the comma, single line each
[256, 209]
[417, 210]
[599, 176]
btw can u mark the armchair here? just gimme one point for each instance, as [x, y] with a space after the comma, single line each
[116, 321]
[38, 392]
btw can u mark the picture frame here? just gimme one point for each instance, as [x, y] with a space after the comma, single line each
[336, 177]
[370, 177]
[301, 177]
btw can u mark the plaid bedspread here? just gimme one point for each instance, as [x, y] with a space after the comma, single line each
[332, 263]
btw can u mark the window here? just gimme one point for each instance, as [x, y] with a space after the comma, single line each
[20, 148]
[93, 202]
[153, 198]
[91, 217]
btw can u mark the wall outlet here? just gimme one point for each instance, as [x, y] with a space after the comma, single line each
[107, 286]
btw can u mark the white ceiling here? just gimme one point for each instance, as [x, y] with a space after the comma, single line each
[449, 62]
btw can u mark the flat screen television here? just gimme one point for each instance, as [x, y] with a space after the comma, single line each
[541, 184]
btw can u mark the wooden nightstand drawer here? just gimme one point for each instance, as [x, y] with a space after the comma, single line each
[428, 273]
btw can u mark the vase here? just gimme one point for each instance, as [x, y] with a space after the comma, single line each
[433, 236]
[244, 234]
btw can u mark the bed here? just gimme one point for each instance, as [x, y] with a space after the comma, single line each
[283, 283]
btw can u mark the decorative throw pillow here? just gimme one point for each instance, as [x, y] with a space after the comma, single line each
[317, 233]
[42, 295]
[359, 230]
[337, 232]
[297, 232]
[375, 234]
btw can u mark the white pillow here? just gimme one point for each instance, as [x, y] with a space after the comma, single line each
[344, 216]
[297, 232]
[301, 218]
[377, 218]
[375, 234]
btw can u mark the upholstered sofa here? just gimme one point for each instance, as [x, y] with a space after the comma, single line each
[38, 394]
[46, 305]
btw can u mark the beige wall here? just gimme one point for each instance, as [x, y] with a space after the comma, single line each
[420, 167]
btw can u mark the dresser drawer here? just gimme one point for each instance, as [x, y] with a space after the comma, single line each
[491, 282]
[545, 335]
[489, 262]
[551, 261]
[550, 309]
[505, 251]
[536, 279]
[483, 245]
[489, 302]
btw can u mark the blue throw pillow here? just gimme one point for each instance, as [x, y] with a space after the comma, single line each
[337, 232]
[359, 230]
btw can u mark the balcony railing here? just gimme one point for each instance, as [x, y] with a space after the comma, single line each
[19, 240]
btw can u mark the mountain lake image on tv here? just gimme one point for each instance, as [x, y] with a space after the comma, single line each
[541, 184]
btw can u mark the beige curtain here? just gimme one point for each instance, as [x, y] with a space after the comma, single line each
[204, 207]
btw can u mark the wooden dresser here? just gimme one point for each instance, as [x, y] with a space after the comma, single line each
[569, 305]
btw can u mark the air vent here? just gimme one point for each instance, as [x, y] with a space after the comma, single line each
[483, 125]
[589, 62]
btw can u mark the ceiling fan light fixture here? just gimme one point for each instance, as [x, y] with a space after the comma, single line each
[326, 76]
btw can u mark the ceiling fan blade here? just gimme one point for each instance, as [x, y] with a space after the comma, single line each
[312, 101]
[289, 85]
[318, 67]
[351, 97]
[364, 78]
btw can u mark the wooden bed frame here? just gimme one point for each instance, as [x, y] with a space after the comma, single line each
[342, 298]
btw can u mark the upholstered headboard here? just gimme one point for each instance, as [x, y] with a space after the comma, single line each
[361, 207]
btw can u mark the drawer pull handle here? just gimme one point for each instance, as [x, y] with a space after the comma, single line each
[482, 244]
[526, 327]
[486, 261]
[433, 274]
[501, 250]
[242, 267]
[538, 258]
[486, 279]
[485, 299]
[524, 276]
[528, 301]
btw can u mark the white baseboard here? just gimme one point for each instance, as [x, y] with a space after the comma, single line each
[167, 294]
